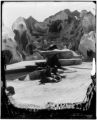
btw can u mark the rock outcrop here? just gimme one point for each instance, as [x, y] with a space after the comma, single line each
[65, 28]
[70, 28]
[88, 42]
[27, 32]
[9, 46]
[88, 21]
[22, 35]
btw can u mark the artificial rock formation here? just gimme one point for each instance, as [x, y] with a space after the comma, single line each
[88, 21]
[9, 46]
[65, 28]
[26, 31]
[88, 42]
[22, 36]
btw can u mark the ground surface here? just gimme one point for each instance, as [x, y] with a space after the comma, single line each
[72, 88]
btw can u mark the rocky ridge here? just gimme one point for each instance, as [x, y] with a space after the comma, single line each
[65, 29]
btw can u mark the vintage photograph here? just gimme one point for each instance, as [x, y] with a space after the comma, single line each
[48, 59]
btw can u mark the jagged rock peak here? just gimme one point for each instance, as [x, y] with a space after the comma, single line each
[31, 19]
[62, 15]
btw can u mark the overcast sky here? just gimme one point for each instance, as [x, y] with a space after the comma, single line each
[39, 10]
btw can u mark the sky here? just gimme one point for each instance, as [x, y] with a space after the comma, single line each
[39, 10]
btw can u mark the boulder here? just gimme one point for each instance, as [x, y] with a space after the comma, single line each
[88, 42]
[10, 90]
